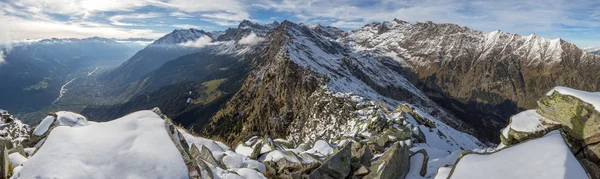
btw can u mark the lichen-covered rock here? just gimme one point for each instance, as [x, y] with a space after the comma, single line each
[393, 164]
[580, 119]
[337, 166]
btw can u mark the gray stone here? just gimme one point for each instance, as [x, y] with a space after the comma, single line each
[337, 166]
[362, 171]
[361, 154]
[395, 163]
[195, 153]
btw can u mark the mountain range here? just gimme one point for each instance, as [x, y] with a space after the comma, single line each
[310, 101]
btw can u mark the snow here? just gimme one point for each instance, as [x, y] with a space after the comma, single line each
[321, 147]
[233, 160]
[443, 172]
[134, 146]
[244, 150]
[277, 155]
[249, 173]
[66, 118]
[547, 157]
[43, 126]
[416, 163]
[16, 159]
[592, 98]
[217, 148]
[29, 151]
[526, 121]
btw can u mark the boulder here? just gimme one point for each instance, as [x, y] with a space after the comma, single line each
[393, 164]
[580, 119]
[336, 166]
[362, 171]
[361, 154]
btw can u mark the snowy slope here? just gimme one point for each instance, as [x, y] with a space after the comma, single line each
[134, 146]
[363, 73]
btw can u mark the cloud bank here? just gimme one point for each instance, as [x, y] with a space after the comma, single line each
[251, 39]
[198, 43]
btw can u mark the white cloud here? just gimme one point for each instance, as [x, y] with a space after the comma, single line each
[116, 20]
[20, 28]
[251, 39]
[187, 26]
[198, 43]
[2, 61]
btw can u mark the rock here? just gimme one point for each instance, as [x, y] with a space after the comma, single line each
[4, 163]
[578, 118]
[592, 169]
[592, 152]
[420, 119]
[195, 153]
[423, 171]
[256, 150]
[207, 156]
[362, 171]
[361, 154]
[337, 166]
[393, 164]
[419, 135]
[183, 147]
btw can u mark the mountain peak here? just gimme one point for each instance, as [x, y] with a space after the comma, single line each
[180, 36]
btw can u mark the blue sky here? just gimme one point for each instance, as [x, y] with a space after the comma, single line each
[575, 21]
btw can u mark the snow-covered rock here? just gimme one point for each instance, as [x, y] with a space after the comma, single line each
[547, 157]
[136, 145]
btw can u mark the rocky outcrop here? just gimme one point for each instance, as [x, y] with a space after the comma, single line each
[579, 118]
